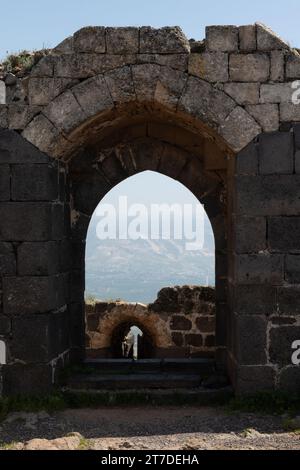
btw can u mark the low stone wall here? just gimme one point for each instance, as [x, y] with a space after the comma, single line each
[180, 323]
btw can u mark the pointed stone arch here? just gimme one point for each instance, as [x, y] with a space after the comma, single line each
[225, 106]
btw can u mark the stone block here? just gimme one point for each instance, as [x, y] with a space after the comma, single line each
[243, 93]
[276, 153]
[44, 135]
[65, 255]
[15, 149]
[247, 160]
[175, 61]
[289, 112]
[239, 128]
[122, 40]
[209, 66]
[206, 324]
[289, 379]
[179, 322]
[87, 194]
[168, 40]
[203, 101]
[83, 66]
[249, 67]
[250, 234]
[195, 340]
[296, 129]
[34, 182]
[7, 259]
[77, 285]
[267, 40]
[43, 90]
[253, 300]
[36, 338]
[77, 325]
[277, 66]
[4, 182]
[293, 67]
[268, 195]
[64, 47]
[93, 96]
[38, 259]
[90, 39]
[284, 234]
[292, 269]
[44, 68]
[19, 115]
[288, 301]
[276, 93]
[66, 111]
[145, 78]
[254, 379]
[60, 220]
[281, 340]
[120, 84]
[25, 221]
[210, 341]
[170, 87]
[177, 339]
[267, 116]
[262, 268]
[27, 295]
[251, 339]
[5, 325]
[27, 380]
[3, 116]
[222, 38]
[247, 38]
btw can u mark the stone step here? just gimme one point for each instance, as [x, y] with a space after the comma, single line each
[202, 367]
[157, 397]
[160, 380]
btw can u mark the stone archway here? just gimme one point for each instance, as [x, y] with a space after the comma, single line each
[102, 106]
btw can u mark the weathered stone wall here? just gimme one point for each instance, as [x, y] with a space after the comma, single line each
[180, 323]
[265, 263]
[34, 268]
[108, 103]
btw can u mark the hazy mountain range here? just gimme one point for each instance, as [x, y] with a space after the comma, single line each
[136, 270]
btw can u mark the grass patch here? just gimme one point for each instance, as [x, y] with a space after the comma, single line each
[23, 61]
[265, 403]
[275, 403]
[48, 403]
[84, 444]
[9, 446]
[291, 425]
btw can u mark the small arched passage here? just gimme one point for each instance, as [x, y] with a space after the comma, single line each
[146, 345]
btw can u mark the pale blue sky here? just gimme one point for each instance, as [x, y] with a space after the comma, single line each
[32, 24]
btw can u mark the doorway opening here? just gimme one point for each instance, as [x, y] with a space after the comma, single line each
[128, 277]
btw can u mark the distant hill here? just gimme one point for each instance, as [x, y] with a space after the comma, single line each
[136, 270]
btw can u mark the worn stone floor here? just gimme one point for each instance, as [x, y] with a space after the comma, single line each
[149, 428]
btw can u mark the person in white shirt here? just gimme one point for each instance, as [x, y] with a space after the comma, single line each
[131, 341]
